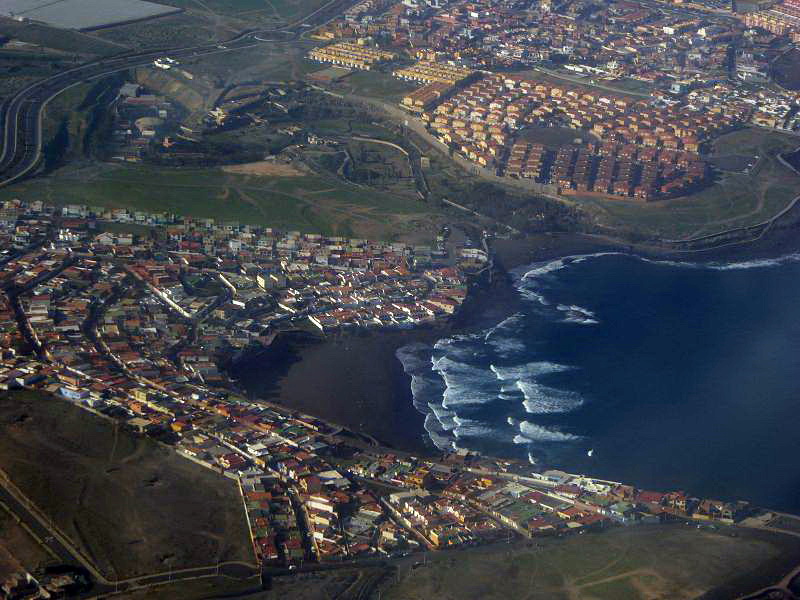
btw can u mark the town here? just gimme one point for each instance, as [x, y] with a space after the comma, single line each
[401, 146]
[644, 87]
[137, 326]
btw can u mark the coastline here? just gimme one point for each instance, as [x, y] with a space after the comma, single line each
[353, 378]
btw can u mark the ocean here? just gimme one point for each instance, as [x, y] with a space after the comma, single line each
[664, 375]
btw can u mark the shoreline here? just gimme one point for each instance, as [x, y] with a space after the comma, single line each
[377, 390]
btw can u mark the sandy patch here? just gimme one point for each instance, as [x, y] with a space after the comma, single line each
[264, 168]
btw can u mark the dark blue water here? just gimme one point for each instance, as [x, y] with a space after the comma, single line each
[676, 376]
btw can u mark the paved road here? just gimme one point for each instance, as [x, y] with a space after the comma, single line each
[22, 114]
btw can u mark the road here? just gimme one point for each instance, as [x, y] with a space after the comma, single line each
[22, 114]
[53, 546]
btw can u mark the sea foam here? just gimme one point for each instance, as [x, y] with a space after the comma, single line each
[542, 400]
[527, 370]
[531, 432]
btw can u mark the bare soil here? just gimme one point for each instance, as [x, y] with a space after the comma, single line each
[132, 505]
[264, 168]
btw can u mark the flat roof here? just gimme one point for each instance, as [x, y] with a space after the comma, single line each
[84, 14]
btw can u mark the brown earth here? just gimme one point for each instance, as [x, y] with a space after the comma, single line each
[264, 168]
[132, 505]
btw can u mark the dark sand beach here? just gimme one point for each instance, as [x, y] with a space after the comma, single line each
[352, 379]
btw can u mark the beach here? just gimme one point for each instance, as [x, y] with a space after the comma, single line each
[351, 379]
[356, 380]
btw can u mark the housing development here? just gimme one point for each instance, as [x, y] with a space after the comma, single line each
[494, 73]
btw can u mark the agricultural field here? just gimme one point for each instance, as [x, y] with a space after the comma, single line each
[257, 11]
[132, 506]
[752, 186]
[632, 563]
[65, 40]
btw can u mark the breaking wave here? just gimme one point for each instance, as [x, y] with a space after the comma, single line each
[544, 400]
[471, 428]
[531, 433]
[578, 314]
[528, 370]
[464, 383]
[484, 387]
[537, 270]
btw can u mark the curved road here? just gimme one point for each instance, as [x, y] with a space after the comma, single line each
[21, 116]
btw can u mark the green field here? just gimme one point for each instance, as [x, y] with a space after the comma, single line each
[376, 84]
[308, 203]
[635, 563]
[554, 137]
[734, 200]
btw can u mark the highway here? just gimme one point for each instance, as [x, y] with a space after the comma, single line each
[22, 114]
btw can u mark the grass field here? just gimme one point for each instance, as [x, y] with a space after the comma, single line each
[133, 506]
[636, 563]
[286, 11]
[785, 69]
[266, 63]
[567, 79]
[308, 203]
[554, 137]
[171, 31]
[376, 84]
[736, 199]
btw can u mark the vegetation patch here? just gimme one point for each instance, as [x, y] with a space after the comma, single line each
[308, 203]
[755, 186]
[634, 563]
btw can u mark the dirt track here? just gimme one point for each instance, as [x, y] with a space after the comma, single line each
[264, 168]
